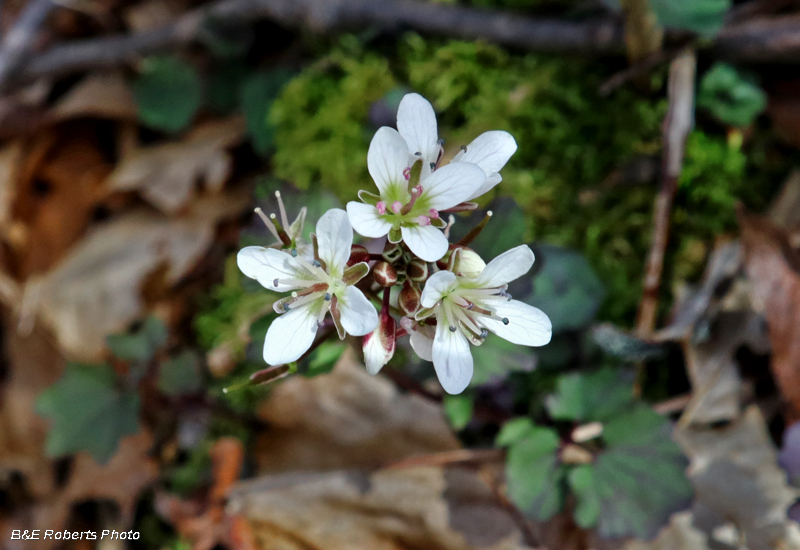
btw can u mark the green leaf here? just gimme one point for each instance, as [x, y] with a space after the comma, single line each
[180, 375]
[458, 409]
[168, 93]
[567, 289]
[732, 97]
[638, 481]
[533, 473]
[495, 358]
[593, 396]
[257, 93]
[88, 412]
[140, 345]
[704, 17]
[587, 508]
[224, 84]
[513, 430]
[324, 358]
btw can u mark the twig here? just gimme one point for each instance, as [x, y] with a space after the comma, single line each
[19, 40]
[641, 68]
[676, 127]
[673, 404]
[461, 456]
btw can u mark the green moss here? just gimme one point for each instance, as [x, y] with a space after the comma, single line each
[570, 141]
[320, 120]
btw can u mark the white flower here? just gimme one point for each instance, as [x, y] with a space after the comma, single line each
[410, 215]
[379, 345]
[288, 236]
[466, 309]
[416, 122]
[322, 286]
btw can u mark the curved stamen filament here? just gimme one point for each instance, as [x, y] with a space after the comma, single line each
[326, 306]
[282, 209]
[466, 320]
[313, 269]
[303, 300]
[294, 283]
[479, 292]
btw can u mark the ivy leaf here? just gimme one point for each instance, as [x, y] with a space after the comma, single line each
[593, 396]
[180, 375]
[88, 412]
[534, 474]
[704, 17]
[495, 358]
[566, 288]
[514, 430]
[324, 358]
[731, 96]
[256, 95]
[140, 345]
[637, 482]
[458, 409]
[168, 93]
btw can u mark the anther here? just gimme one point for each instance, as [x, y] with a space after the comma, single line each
[275, 282]
[294, 253]
[396, 207]
[471, 306]
[418, 154]
[452, 328]
[464, 148]
[440, 142]
[433, 166]
[327, 296]
[381, 206]
[407, 173]
[423, 220]
[484, 333]
[286, 306]
[317, 263]
[433, 214]
[505, 320]
[320, 323]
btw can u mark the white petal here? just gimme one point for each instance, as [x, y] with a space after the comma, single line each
[267, 264]
[379, 345]
[527, 325]
[416, 122]
[367, 220]
[422, 345]
[490, 151]
[488, 184]
[451, 185]
[452, 358]
[386, 159]
[427, 242]
[437, 285]
[335, 237]
[290, 335]
[358, 314]
[508, 266]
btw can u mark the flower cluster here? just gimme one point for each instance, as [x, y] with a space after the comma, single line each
[447, 297]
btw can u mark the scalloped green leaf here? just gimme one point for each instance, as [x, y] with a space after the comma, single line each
[140, 344]
[731, 96]
[589, 396]
[534, 474]
[637, 482]
[514, 430]
[704, 17]
[168, 93]
[88, 412]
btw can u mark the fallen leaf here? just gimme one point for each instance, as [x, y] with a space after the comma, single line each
[773, 268]
[96, 290]
[395, 509]
[736, 479]
[100, 95]
[680, 534]
[166, 174]
[347, 419]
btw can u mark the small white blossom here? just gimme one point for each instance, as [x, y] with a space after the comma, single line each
[467, 309]
[318, 287]
[416, 122]
[410, 215]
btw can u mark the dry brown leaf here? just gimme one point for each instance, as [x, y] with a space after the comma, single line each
[680, 534]
[736, 479]
[398, 509]
[166, 174]
[347, 419]
[96, 289]
[100, 95]
[773, 268]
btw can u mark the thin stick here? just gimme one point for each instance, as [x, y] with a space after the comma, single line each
[676, 127]
[19, 40]
[461, 456]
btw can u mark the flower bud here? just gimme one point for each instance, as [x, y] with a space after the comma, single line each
[379, 345]
[471, 264]
[417, 271]
[392, 252]
[408, 299]
[358, 254]
[384, 274]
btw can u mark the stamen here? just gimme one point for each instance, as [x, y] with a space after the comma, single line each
[433, 166]
[313, 269]
[327, 296]
[464, 148]
[282, 235]
[303, 300]
[452, 328]
[407, 173]
[282, 209]
[423, 220]
[294, 253]
[505, 320]
[268, 223]
[292, 282]
[396, 207]
[381, 206]
[461, 301]
[433, 214]
[466, 320]
[451, 220]
[326, 306]
[484, 333]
